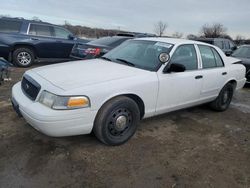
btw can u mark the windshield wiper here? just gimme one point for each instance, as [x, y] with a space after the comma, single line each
[126, 62]
[105, 58]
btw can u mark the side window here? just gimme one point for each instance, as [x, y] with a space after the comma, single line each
[207, 56]
[232, 45]
[61, 33]
[219, 44]
[222, 44]
[218, 59]
[40, 30]
[186, 55]
[226, 45]
[10, 26]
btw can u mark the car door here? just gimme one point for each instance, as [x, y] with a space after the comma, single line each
[64, 41]
[180, 89]
[42, 38]
[213, 71]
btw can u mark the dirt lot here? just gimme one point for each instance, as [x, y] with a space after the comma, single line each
[190, 148]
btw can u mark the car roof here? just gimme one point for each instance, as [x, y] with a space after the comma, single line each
[26, 20]
[173, 41]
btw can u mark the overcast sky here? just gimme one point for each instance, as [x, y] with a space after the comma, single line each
[185, 16]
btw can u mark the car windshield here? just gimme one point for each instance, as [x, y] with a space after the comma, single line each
[139, 53]
[243, 52]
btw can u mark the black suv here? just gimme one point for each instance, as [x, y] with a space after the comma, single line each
[226, 45]
[24, 41]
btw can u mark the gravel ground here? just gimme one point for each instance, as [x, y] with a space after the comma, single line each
[195, 147]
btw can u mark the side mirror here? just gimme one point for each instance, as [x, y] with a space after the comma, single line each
[71, 37]
[174, 67]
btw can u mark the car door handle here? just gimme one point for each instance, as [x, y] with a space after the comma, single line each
[34, 39]
[59, 41]
[224, 73]
[199, 77]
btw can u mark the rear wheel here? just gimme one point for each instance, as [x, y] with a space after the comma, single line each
[117, 120]
[222, 102]
[23, 57]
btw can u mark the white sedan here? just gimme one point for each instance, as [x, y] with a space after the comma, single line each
[139, 79]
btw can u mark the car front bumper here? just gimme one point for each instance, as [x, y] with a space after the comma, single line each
[51, 122]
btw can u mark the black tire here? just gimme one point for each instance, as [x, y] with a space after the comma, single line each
[23, 57]
[117, 121]
[222, 102]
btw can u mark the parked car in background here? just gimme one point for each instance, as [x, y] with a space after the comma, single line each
[140, 78]
[24, 41]
[4, 70]
[98, 47]
[226, 45]
[243, 53]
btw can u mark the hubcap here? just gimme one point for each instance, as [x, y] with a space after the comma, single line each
[120, 122]
[24, 58]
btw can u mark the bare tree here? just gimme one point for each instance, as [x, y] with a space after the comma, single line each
[239, 40]
[213, 31]
[191, 36]
[160, 27]
[177, 35]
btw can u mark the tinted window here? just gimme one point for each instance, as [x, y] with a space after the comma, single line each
[40, 30]
[218, 59]
[207, 55]
[185, 55]
[10, 26]
[61, 33]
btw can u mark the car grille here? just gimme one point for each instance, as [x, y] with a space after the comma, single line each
[30, 87]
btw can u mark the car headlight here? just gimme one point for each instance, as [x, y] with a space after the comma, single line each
[63, 102]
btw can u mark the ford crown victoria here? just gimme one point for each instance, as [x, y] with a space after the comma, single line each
[139, 79]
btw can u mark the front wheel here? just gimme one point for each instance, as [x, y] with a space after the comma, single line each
[117, 121]
[23, 57]
[222, 102]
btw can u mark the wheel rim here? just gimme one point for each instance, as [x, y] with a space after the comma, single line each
[24, 58]
[120, 122]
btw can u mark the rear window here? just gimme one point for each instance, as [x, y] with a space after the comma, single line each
[105, 41]
[10, 26]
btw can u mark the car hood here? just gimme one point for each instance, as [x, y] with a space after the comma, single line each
[76, 74]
